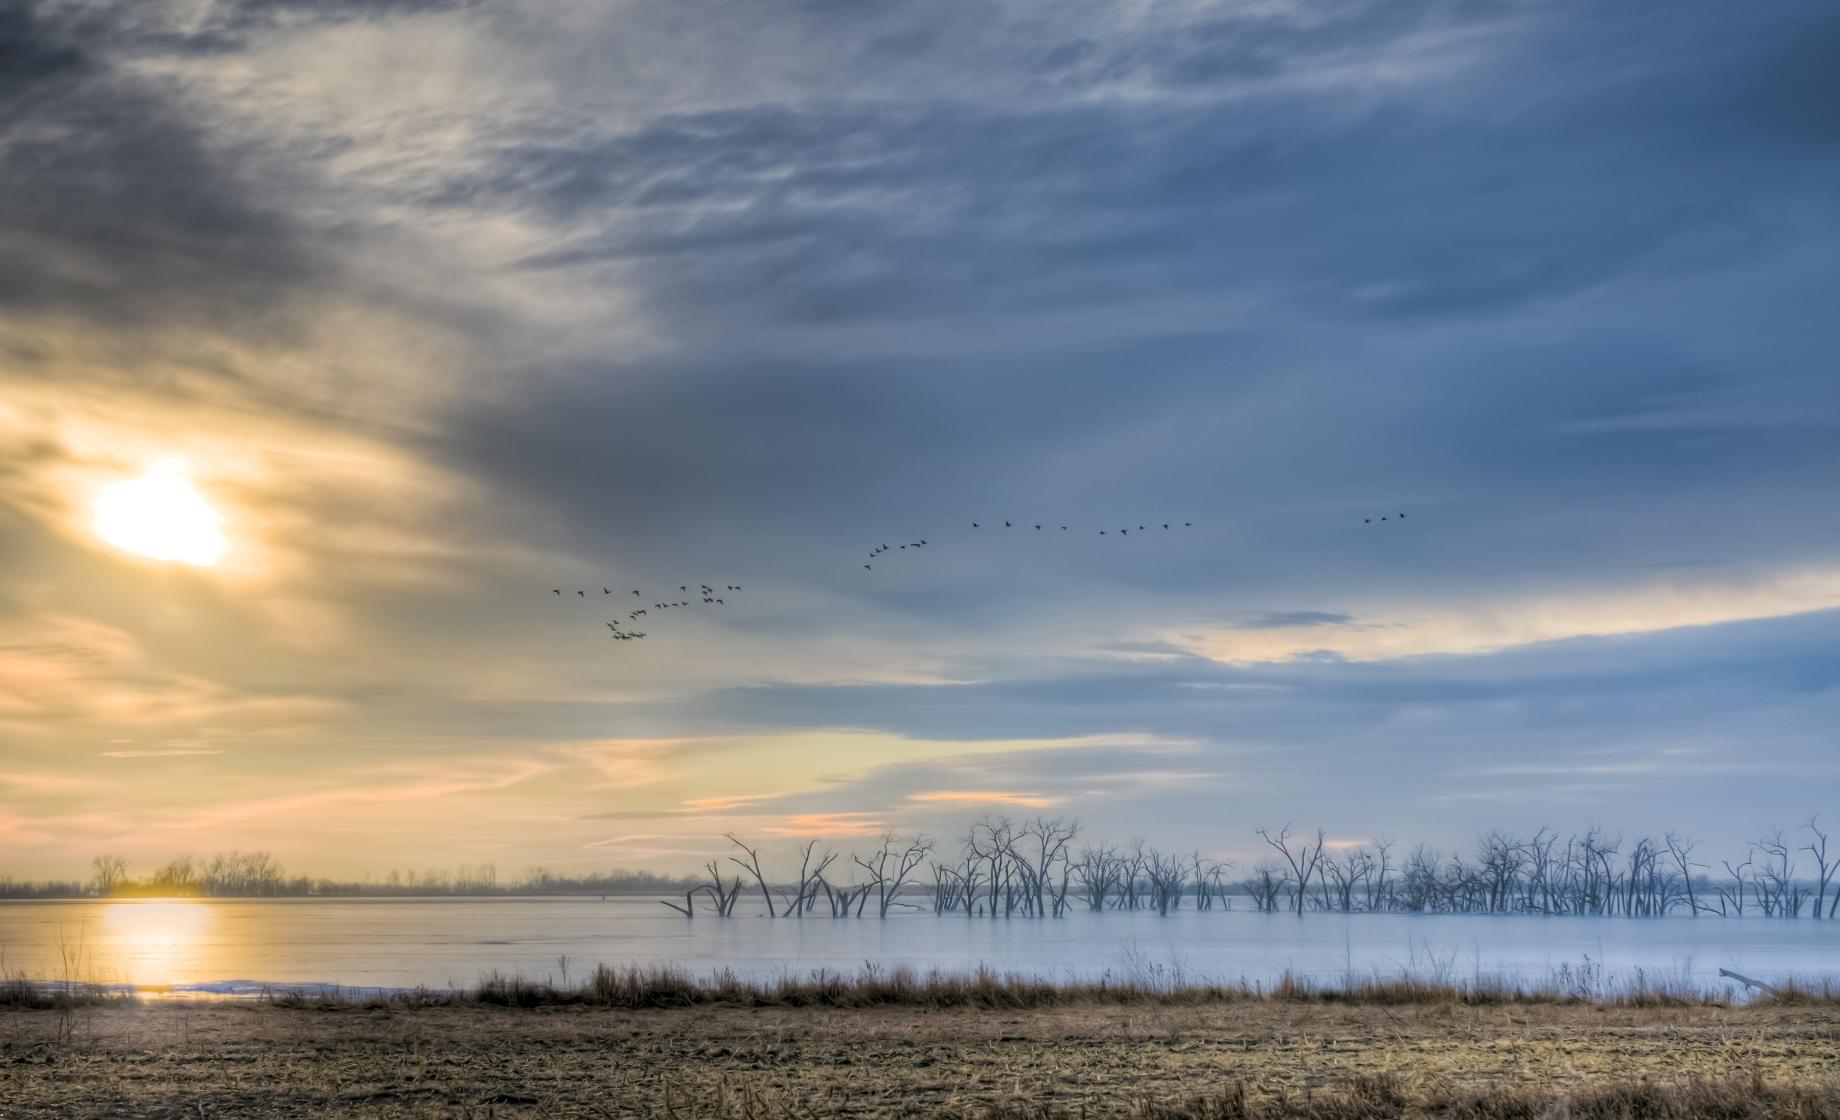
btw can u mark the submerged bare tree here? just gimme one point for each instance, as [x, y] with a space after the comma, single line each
[1303, 860]
[890, 867]
[752, 864]
[1002, 868]
[811, 879]
[1818, 849]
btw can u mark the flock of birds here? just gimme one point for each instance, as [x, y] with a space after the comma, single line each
[710, 595]
[624, 631]
[1123, 531]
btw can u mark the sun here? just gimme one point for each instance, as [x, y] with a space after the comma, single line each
[160, 515]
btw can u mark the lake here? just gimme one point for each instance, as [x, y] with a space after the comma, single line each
[233, 945]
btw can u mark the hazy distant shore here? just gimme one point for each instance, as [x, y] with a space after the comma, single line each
[1274, 1058]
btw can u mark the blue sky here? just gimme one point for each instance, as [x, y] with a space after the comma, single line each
[445, 305]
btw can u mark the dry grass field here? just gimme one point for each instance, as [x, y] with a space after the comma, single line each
[1143, 1058]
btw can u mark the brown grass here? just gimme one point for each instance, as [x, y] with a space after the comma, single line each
[1263, 1059]
[642, 988]
[1388, 1097]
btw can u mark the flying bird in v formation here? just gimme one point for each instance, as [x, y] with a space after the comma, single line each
[709, 595]
[625, 630]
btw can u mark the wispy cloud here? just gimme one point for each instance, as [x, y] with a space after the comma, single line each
[975, 797]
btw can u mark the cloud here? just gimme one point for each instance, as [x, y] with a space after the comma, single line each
[976, 797]
[449, 304]
[827, 825]
[1291, 620]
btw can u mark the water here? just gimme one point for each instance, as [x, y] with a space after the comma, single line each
[444, 943]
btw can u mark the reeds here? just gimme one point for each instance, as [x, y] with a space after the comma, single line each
[638, 988]
[19, 993]
[660, 987]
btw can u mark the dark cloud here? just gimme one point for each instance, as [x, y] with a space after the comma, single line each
[114, 204]
[1276, 620]
[1092, 307]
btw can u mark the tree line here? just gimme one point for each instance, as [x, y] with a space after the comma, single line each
[258, 874]
[1041, 868]
[1038, 868]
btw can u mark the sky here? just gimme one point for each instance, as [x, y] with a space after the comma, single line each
[442, 306]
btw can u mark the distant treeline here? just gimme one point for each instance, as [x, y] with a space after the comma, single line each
[259, 875]
[1041, 868]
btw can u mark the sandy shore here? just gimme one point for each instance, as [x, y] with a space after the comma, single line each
[456, 1061]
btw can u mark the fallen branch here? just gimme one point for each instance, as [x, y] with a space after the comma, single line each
[1749, 983]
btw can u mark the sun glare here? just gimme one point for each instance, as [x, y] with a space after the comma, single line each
[153, 943]
[160, 515]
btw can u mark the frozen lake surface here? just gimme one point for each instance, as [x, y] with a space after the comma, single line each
[450, 942]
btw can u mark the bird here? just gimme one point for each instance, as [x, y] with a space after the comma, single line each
[1140, 528]
[1063, 528]
[1006, 525]
[604, 591]
[1124, 532]
[903, 548]
[1165, 524]
[556, 590]
[1102, 532]
[1186, 524]
[1402, 517]
[583, 594]
[974, 524]
[719, 603]
[681, 587]
[1038, 528]
[868, 568]
[635, 591]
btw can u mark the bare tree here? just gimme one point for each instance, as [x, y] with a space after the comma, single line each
[891, 865]
[753, 864]
[1341, 876]
[1098, 869]
[810, 876]
[1168, 876]
[111, 872]
[1780, 895]
[1303, 860]
[1377, 892]
[1818, 849]
[1682, 850]
[1265, 884]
